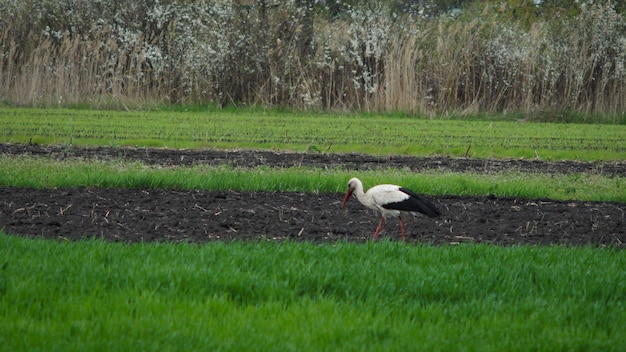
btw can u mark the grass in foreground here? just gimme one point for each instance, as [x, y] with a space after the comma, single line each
[92, 295]
[46, 173]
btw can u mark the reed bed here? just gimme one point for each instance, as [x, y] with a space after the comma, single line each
[295, 54]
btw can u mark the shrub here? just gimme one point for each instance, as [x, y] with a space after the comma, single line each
[368, 56]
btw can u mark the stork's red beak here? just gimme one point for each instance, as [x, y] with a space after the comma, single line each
[345, 200]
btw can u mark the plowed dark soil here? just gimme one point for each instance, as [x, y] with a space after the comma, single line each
[200, 216]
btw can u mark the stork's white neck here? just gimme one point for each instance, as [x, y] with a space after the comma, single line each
[362, 197]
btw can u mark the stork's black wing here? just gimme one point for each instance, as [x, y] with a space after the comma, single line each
[415, 203]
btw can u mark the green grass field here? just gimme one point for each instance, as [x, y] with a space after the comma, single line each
[376, 134]
[260, 296]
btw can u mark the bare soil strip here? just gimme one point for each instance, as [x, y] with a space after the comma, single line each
[255, 158]
[130, 215]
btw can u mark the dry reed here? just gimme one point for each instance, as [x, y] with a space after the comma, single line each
[366, 60]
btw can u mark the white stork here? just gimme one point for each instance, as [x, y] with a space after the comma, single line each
[390, 200]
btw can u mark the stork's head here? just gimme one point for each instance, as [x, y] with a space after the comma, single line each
[352, 185]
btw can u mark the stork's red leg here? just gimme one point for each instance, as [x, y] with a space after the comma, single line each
[402, 226]
[379, 228]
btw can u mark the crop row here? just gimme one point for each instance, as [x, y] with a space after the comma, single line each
[343, 133]
[45, 173]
